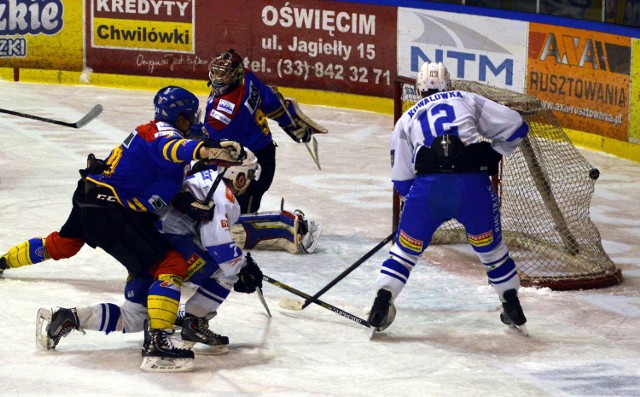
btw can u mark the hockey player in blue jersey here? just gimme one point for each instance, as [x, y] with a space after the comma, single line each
[216, 265]
[441, 167]
[238, 108]
[112, 209]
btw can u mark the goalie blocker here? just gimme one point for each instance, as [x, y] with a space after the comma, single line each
[277, 230]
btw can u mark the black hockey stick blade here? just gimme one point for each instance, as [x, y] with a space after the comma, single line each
[92, 114]
[316, 301]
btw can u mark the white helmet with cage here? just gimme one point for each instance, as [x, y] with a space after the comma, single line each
[249, 168]
[433, 76]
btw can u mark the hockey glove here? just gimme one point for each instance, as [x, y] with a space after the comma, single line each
[249, 278]
[187, 204]
[493, 158]
[299, 132]
[224, 153]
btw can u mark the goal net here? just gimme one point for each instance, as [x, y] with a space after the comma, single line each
[545, 190]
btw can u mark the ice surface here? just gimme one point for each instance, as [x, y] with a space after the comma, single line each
[446, 340]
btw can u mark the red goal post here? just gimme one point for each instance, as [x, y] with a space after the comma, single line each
[545, 191]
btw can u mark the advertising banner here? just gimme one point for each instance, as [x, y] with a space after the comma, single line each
[583, 77]
[320, 45]
[634, 103]
[44, 34]
[488, 50]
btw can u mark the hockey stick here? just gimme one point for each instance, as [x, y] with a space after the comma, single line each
[348, 270]
[317, 301]
[213, 188]
[93, 113]
[313, 149]
[264, 302]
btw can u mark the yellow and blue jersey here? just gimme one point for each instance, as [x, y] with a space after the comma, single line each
[146, 170]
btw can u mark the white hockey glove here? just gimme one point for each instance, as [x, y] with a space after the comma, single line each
[224, 153]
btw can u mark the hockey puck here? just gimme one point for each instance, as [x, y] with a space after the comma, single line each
[594, 173]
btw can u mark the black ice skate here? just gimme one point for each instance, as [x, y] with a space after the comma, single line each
[513, 316]
[52, 325]
[160, 355]
[196, 330]
[3, 265]
[382, 312]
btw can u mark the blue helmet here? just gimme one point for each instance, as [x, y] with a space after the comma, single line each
[172, 101]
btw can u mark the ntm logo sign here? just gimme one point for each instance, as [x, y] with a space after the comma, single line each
[466, 65]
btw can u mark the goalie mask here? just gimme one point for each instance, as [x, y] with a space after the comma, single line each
[225, 71]
[432, 77]
[246, 172]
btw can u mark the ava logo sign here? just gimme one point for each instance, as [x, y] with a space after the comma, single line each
[472, 47]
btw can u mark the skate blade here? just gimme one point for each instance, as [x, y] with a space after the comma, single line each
[521, 329]
[372, 332]
[163, 364]
[42, 322]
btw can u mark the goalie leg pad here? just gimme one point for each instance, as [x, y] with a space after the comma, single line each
[277, 230]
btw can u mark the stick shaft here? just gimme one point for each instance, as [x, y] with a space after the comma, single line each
[93, 113]
[349, 269]
[316, 301]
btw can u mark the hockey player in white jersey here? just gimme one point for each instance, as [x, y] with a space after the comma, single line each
[441, 168]
[216, 265]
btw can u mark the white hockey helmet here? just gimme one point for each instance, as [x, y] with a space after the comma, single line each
[249, 168]
[433, 76]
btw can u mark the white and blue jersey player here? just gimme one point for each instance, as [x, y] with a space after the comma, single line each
[216, 264]
[444, 150]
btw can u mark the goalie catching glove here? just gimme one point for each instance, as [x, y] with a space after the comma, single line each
[249, 278]
[223, 153]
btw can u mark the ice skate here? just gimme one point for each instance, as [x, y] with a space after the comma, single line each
[160, 355]
[513, 316]
[196, 330]
[52, 325]
[310, 231]
[3, 265]
[382, 313]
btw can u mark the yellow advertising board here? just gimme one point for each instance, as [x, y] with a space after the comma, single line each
[44, 34]
[634, 113]
[583, 76]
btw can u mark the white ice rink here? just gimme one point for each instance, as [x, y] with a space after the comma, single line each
[446, 340]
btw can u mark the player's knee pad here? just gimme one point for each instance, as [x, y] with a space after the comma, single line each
[59, 247]
[26, 253]
[163, 301]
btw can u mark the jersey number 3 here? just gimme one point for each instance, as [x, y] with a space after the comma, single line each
[437, 121]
